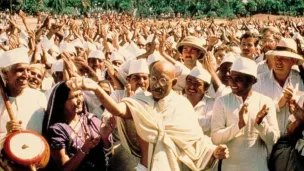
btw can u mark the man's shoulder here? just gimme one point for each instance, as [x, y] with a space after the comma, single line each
[262, 97]
[265, 74]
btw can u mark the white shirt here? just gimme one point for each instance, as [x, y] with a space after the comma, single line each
[268, 86]
[203, 109]
[249, 146]
[263, 67]
[29, 107]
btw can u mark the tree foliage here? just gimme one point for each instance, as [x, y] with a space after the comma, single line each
[211, 8]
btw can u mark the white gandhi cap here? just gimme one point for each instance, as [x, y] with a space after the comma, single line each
[138, 66]
[245, 66]
[229, 57]
[201, 73]
[57, 66]
[14, 56]
[96, 54]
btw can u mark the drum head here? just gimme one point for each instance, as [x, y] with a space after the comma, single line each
[25, 148]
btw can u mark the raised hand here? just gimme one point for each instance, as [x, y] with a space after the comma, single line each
[82, 83]
[287, 96]
[244, 110]
[262, 113]
[107, 126]
[296, 110]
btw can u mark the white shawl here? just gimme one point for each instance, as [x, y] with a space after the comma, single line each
[173, 144]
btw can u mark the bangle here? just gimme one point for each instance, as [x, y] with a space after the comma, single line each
[80, 149]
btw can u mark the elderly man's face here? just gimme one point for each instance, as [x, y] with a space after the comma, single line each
[190, 53]
[161, 82]
[17, 77]
[283, 65]
[138, 80]
[248, 48]
[35, 79]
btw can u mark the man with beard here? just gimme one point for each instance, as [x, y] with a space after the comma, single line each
[244, 120]
[28, 105]
[168, 134]
[282, 83]
[270, 38]
[36, 76]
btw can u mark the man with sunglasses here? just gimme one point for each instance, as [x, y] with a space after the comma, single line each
[168, 134]
[244, 120]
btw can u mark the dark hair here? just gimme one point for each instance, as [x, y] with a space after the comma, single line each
[249, 34]
[55, 108]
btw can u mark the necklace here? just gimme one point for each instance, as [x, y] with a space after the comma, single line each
[84, 133]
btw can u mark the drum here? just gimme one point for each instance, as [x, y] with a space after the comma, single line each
[27, 148]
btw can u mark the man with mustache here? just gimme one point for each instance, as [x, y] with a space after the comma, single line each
[249, 43]
[168, 134]
[244, 120]
[28, 105]
[282, 82]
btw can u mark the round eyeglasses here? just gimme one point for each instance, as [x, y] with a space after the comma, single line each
[163, 81]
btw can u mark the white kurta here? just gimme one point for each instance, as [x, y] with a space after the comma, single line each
[29, 107]
[268, 86]
[250, 145]
[203, 109]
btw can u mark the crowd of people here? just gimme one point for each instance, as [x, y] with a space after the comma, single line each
[116, 93]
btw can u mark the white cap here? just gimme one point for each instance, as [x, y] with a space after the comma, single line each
[245, 66]
[55, 49]
[11, 57]
[201, 73]
[133, 49]
[170, 39]
[125, 53]
[67, 47]
[77, 43]
[229, 57]
[116, 56]
[97, 54]
[150, 38]
[57, 66]
[138, 66]
[3, 37]
[46, 44]
[154, 57]
[141, 40]
[23, 42]
[90, 46]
